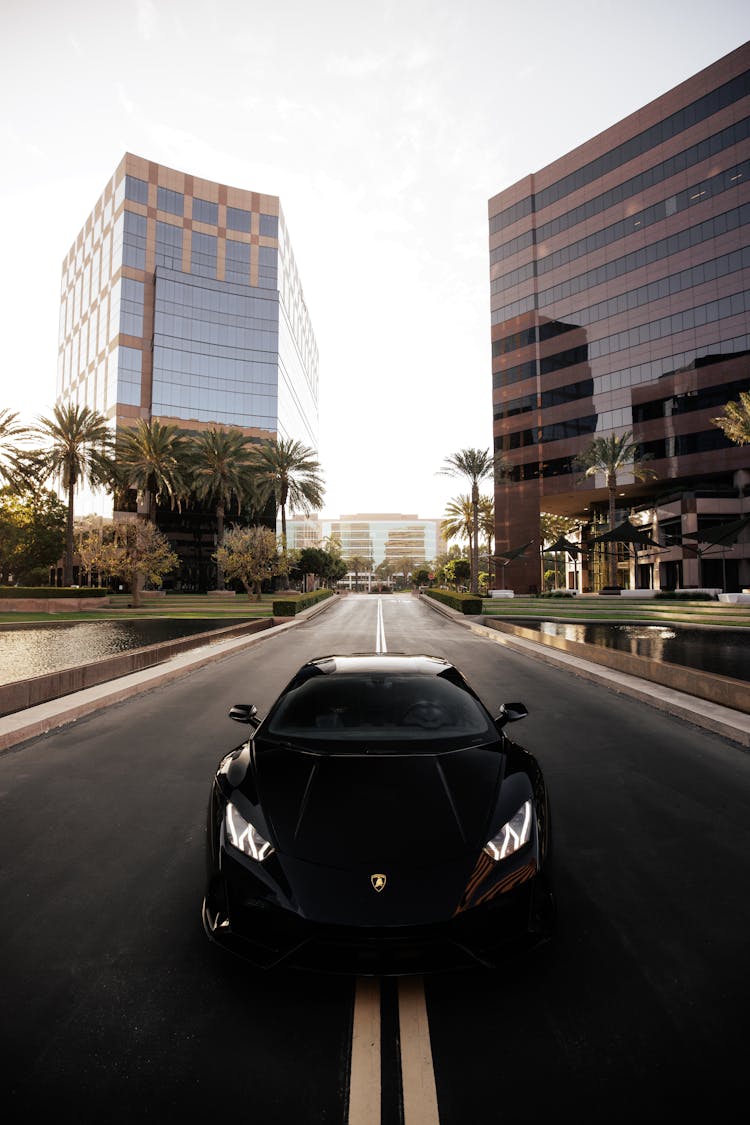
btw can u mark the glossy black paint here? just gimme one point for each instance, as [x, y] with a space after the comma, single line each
[373, 828]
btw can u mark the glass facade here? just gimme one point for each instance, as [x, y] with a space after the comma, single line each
[620, 302]
[180, 299]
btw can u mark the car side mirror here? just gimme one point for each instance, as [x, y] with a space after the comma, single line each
[245, 713]
[511, 713]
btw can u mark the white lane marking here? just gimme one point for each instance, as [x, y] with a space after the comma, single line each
[417, 1072]
[364, 1080]
[380, 645]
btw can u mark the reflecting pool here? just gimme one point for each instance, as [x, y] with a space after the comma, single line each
[725, 652]
[29, 650]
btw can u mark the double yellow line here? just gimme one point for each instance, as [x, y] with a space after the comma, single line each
[417, 1073]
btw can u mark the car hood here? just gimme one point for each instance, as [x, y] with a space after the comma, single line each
[343, 809]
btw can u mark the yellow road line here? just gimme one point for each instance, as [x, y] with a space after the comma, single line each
[417, 1072]
[364, 1082]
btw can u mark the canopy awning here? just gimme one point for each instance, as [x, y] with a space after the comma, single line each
[626, 532]
[562, 544]
[724, 534]
[515, 553]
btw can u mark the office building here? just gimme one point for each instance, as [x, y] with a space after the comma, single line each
[181, 301]
[404, 541]
[620, 302]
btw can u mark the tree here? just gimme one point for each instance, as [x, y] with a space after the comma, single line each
[475, 465]
[459, 519]
[421, 576]
[357, 563]
[220, 463]
[136, 550]
[153, 458]
[32, 535]
[78, 445]
[290, 472]
[457, 570]
[251, 555]
[13, 470]
[611, 456]
[735, 421]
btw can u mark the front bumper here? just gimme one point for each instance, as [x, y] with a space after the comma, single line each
[268, 935]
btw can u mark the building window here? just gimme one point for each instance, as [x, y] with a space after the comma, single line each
[136, 190]
[172, 201]
[134, 240]
[129, 367]
[169, 246]
[205, 212]
[203, 255]
[269, 226]
[237, 219]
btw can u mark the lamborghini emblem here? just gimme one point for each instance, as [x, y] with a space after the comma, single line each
[378, 882]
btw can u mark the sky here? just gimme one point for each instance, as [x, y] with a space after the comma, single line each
[384, 127]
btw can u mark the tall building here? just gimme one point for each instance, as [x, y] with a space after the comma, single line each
[181, 301]
[400, 539]
[620, 301]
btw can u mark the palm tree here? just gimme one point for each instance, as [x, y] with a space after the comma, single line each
[220, 462]
[154, 459]
[735, 421]
[487, 527]
[78, 444]
[12, 470]
[475, 465]
[290, 472]
[459, 519]
[611, 456]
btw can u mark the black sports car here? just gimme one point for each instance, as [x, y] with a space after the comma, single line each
[378, 821]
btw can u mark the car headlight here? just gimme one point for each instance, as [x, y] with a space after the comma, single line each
[513, 834]
[244, 836]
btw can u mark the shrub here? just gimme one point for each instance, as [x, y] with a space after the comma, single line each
[464, 603]
[53, 592]
[292, 604]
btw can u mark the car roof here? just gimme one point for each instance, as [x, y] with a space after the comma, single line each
[390, 662]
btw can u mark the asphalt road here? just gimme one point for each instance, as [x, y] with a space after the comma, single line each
[116, 1008]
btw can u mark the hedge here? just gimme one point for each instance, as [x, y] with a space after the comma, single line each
[289, 605]
[464, 603]
[53, 592]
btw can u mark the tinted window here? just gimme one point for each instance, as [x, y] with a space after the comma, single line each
[379, 706]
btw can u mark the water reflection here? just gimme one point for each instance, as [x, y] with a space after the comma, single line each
[725, 652]
[27, 651]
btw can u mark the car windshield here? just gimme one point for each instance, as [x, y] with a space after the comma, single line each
[379, 706]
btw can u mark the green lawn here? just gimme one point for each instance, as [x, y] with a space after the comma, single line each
[614, 609]
[182, 606]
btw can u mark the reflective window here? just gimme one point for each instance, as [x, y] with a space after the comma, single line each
[205, 212]
[267, 268]
[131, 307]
[129, 367]
[269, 226]
[137, 190]
[168, 246]
[172, 201]
[237, 219]
[237, 261]
[134, 240]
[203, 254]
